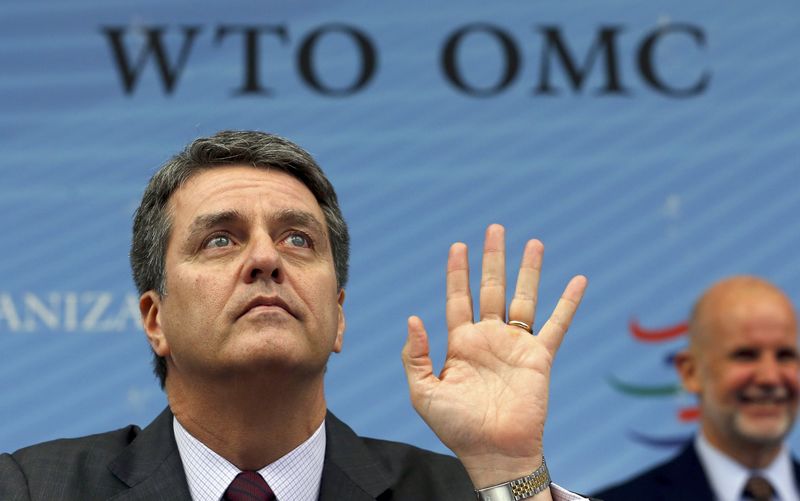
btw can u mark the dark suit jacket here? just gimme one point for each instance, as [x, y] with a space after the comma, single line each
[134, 464]
[682, 477]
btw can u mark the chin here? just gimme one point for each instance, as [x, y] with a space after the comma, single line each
[763, 431]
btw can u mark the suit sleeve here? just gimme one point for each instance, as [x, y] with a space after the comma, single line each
[13, 484]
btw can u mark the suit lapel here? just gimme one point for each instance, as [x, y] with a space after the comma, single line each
[351, 471]
[684, 478]
[151, 465]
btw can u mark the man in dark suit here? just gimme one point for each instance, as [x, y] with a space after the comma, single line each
[240, 255]
[742, 362]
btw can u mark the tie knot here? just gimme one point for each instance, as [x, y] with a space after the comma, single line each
[758, 488]
[248, 486]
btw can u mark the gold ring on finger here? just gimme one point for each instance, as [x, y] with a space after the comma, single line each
[521, 325]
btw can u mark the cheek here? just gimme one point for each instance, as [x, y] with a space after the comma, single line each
[732, 380]
[198, 297]
[318, 291]
[790, 376]
[327, 307]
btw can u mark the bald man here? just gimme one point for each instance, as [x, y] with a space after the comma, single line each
[742, 363]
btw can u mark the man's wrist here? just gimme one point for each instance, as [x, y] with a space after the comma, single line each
[492, 468]
[519, 488]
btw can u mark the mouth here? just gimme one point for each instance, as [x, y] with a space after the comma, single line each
[775, 396]
[266, 304]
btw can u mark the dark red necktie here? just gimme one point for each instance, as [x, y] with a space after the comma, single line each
[758, 489]
[248, 486]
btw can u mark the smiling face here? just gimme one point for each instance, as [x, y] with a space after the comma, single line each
[250, 281]
[743, 364]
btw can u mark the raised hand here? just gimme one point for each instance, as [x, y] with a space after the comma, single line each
[489, 402]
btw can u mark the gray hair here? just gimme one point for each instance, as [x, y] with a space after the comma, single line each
[152, 223]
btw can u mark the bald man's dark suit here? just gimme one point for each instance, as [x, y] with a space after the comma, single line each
[682, 477]
[133, 464]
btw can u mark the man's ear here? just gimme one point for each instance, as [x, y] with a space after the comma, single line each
[150, 311]
[337, 346]
[687, 367]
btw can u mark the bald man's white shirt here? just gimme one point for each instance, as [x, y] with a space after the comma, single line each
[727, 477]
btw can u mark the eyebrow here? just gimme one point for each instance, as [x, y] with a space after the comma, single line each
[203, 223]
[301, 218]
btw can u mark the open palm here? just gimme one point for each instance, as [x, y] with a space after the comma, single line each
[489, 402]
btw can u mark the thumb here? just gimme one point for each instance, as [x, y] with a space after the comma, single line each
[416, 359]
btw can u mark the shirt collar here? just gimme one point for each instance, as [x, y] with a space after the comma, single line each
[294, 477]
[727, 477]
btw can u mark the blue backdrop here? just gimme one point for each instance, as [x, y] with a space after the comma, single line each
[652, 146]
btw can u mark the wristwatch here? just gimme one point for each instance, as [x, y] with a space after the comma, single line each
[517, 489]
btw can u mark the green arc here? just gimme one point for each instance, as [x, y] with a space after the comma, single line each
[665, 390]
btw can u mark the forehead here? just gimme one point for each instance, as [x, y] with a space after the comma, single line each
[248, 190]
[754, 317]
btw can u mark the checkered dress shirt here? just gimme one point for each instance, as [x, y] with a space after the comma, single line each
[294, 477]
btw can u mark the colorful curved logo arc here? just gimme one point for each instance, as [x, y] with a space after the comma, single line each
[665, 390]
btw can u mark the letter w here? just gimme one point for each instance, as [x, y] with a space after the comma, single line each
[154, 46]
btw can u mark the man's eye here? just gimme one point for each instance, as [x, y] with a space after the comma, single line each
[218, 241]
[298, 240]
[744, 355]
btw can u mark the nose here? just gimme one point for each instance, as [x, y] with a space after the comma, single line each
[768, 371]
[262, 260]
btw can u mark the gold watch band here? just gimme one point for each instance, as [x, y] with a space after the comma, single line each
[518, 489]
